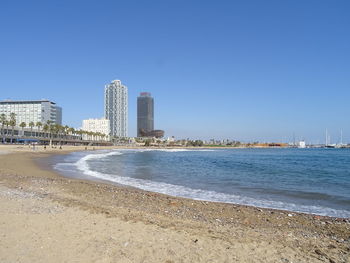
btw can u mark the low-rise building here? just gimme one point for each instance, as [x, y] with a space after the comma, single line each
[97, 125]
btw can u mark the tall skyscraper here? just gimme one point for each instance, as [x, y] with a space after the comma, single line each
[145, 114]
[116, 108]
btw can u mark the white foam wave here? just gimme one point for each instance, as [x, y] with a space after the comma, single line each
[198, 194]
[82, 164]
[100, 155]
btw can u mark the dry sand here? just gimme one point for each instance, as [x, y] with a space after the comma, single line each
[45, 217]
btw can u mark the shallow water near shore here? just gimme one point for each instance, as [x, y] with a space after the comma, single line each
[313, 181]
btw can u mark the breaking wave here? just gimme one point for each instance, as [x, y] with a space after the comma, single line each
[82, 165]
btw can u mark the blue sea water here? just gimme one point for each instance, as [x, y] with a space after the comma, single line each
[313, 181]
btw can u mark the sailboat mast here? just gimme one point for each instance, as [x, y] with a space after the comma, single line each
[294, 139]
[341, 136]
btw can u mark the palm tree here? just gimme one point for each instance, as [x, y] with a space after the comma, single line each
[50, 129]
[7, 123]
[12, 123]
[78, 132]
[46, 128]
[53, 129]
[98, 134]
[65, 131]
[23, 125]
[82, 133]
[94, 135]
[71, 131]
[61, 130]
[39, 125]
[87, 135]
[3, 122]
[90, 134]
[56, 129]
[31, 125]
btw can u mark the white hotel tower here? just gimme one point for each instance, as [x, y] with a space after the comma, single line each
[32, 111]
[116, 108]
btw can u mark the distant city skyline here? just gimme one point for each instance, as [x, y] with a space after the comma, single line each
[248, 71]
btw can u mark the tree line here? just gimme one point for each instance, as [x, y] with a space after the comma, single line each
[47, 130]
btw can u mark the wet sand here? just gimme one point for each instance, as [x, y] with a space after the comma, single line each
[49, 218]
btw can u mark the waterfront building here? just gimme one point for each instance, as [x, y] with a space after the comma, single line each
[32, 111]
[116, 108]
[153, 133]
[145, 114]
[170, 139]
[97, 125]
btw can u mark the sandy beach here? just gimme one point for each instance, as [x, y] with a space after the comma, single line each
[49, 218]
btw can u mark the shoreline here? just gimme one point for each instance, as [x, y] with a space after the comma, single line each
[251, 233]
[80, 175]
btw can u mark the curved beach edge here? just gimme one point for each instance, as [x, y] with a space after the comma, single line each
[41, 209]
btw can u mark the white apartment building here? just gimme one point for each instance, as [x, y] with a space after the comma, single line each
[97, 125]
[116, 108]
[32, 111]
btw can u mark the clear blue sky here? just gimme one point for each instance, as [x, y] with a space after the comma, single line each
[246, 70]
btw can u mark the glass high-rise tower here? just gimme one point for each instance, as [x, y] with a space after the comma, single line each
[116, 108]
[145, 114]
